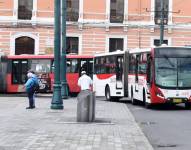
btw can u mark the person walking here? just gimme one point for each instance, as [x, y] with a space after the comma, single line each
[85, 82]
[29, 86]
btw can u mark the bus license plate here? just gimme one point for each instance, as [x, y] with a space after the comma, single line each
[177, 100]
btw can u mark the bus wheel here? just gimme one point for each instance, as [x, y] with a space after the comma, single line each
[187, 105]
[107, 94]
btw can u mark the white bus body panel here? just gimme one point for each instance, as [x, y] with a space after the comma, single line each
[138, 88]
[99, 86]
[141, 85]
[176, 93]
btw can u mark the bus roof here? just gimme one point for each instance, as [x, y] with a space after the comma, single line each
[118, 52]
[139, 50]
[49, 56]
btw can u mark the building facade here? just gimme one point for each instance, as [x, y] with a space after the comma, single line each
[27, 27]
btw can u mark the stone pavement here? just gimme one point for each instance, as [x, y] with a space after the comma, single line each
[46, 129]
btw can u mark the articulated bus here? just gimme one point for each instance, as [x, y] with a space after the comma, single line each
[13, 71]
[153, 76]
[110, 74]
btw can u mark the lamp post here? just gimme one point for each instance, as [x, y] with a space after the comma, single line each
[162, 23]
[57, 99]
[64, 87]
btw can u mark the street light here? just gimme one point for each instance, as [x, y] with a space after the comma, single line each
[64, 87]
[57, 99]
[162, 23]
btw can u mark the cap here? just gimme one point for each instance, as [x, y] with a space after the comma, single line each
[30, 71]
[29, 75]
[83, 72]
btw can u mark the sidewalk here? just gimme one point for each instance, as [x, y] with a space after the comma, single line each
[46, 129]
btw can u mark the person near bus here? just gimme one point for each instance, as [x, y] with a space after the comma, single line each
[85, 82]
[35, 78]
[29, 86]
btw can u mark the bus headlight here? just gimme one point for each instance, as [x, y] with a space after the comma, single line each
[189, 98]
[159, 93]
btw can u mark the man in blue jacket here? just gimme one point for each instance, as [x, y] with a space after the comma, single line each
[29, 85]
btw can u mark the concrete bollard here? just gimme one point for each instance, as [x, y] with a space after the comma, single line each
[86, 106]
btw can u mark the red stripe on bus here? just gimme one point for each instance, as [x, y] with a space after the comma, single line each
[104, 76]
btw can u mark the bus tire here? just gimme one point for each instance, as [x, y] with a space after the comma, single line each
[187, 105]
[147, 105]
[107, 93]
[144, 98]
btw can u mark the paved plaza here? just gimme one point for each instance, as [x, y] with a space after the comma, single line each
[45, 129]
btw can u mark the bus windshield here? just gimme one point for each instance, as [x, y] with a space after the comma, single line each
[173, 72]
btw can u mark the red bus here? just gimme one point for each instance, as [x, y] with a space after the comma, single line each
[13, 70]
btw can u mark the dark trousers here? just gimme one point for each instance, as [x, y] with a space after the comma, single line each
[31, 98]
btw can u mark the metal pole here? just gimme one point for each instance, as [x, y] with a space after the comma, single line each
[64, 87]
[162, 23]
[57, 99]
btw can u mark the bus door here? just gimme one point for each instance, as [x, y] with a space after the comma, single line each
[72, 75]
[87, 65]
[137, 74]
[3, 73]
[19, 71]
[119, 72]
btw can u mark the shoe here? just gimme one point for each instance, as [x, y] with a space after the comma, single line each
[33, 107]
[28, 107]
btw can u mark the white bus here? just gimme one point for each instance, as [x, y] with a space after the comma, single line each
[110, 74]
[152, 76]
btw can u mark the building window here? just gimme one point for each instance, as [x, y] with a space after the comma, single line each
[25, 8]
[157, 42]
[116, 11]
[72, 10]
[24, 45]
[72, 45]
[115, 44]
[158, 10]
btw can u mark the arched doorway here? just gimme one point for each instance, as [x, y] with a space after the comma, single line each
[24, 45]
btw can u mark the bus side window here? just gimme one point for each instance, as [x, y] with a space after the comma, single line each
[97, 66]
[132, 63]
[72, 66]
[136, 67]
[119, 68]
[75, 65]
[142, 63]
[112, 64]
[68, 65]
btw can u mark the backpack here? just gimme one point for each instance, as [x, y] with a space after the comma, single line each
[35, 85]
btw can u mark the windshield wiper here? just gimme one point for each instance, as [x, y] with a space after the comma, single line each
[169, 61]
